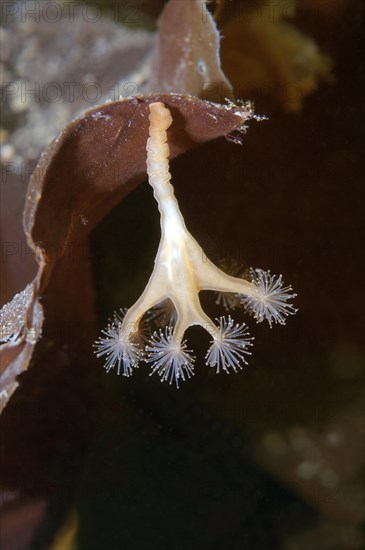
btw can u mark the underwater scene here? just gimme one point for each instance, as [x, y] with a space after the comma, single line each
[182, 290]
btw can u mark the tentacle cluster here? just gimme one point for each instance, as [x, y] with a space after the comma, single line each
[118, 347]
[229, 347]
[271, 300]
[171, 360]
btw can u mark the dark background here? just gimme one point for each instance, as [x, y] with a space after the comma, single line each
[148, 466]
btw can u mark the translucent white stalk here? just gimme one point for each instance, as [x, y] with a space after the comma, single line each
[181, 268]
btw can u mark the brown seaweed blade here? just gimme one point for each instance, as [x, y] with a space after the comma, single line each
[84, 173]
[187, 60]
